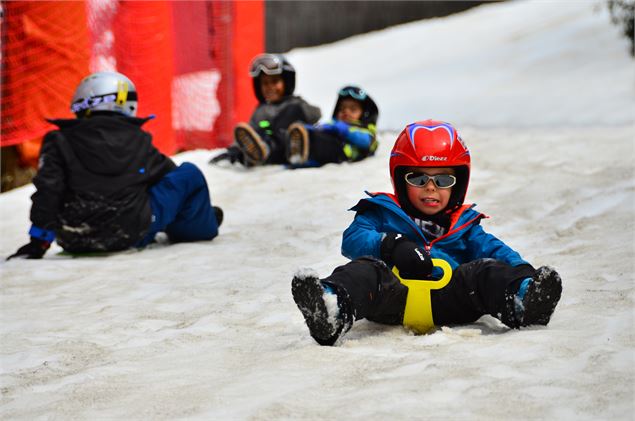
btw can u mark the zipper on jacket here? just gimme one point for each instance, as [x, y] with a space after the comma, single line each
[455, 230]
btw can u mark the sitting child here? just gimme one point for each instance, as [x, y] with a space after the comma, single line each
[426, 217]
[350, 136]
[264, 139]
[103, 186]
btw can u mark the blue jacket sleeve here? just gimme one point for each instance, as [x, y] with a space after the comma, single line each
[481, 244]
[363, 237]
[359, 137]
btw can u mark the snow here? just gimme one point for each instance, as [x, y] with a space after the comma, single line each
[542, 93]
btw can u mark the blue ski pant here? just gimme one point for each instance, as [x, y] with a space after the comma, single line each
[181, 207]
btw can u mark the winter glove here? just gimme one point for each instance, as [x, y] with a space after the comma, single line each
[33, 250]
[413, 261]
[231, 154]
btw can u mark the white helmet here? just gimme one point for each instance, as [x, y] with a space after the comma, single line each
[105, 91]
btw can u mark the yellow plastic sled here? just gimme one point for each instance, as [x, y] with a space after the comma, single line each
[418, 313]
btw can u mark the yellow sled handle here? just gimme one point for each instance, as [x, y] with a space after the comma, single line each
[418, 313]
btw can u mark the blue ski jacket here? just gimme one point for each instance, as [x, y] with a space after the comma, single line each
[464, 242]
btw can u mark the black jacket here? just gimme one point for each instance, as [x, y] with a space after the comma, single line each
[93, 180]
[281, 114]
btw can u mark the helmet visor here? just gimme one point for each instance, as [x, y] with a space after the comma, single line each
[94, 101]
[268, 63]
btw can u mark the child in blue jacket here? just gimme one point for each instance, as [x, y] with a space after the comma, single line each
[425, 218]
[349, 136]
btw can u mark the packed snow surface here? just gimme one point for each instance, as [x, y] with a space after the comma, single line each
[544, 95]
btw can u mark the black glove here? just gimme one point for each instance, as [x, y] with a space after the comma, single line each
[231, 154]
[413, 262]
[33, 250]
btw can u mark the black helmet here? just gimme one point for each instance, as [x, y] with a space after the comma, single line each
[371, 112]
[272, 64]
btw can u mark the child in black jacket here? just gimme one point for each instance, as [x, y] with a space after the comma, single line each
[103, 186]
[264, 139]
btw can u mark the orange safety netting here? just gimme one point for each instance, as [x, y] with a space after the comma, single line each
[44, 56]
[145, 56]
[187, 59]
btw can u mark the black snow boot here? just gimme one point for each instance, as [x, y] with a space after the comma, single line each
[326, 308]
[535, 300]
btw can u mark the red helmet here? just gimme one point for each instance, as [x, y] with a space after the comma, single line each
[429, 143]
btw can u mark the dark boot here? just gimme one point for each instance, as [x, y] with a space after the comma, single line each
[541, 297]
[326, 308]
[218, 213]
[536, 299]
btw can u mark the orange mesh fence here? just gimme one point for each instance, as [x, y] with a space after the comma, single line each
[188, 60]
[143, 51]
[44, 56]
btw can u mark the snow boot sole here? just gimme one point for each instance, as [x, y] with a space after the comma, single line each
[308, 294]
[298, 146]
[541, 297]
[254, 149]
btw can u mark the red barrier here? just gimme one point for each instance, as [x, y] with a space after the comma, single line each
[44, 56]
[188, 59]
[144, 50]
[247, 42]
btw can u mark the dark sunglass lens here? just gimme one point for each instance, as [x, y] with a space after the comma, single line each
[444, 180]
[417, 179]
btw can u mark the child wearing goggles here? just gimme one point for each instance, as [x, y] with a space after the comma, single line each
[349, 136]
[401, 233]
[263, 140]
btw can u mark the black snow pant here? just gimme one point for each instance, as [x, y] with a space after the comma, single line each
[325, 148]
[484, 286]
[276, 134]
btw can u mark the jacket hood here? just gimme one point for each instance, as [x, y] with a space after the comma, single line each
[104, 144]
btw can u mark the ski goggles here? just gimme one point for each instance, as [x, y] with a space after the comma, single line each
[270, 64]
[356, 93]
[120, 97]
[442, 181]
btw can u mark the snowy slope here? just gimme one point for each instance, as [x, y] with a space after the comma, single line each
[519, 64]
[209, 330]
